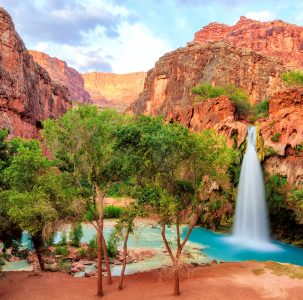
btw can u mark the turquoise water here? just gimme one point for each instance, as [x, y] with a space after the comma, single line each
[219, 247]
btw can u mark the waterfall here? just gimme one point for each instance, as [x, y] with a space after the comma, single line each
[251, 220]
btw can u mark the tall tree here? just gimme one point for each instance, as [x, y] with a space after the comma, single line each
[82, 141]
[38, 195]
[174, 172]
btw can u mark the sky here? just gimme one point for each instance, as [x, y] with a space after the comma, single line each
[125, 36]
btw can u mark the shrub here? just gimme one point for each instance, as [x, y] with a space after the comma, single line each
[293, 78]
[82, 252]
[62, 250]
[76, 235]
[113, 243]
[112, 211]
[276, 137]
[63, 240]
[261, 110]
[236, 95]
[92, 248]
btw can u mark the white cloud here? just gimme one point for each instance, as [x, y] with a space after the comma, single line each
[263, 15]
[41, 46]
[136, 49]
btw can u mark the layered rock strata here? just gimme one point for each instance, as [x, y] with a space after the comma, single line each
[27, 93]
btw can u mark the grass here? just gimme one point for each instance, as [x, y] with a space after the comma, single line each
[293, 78]
[258, 272]
[112, 211]
[291, 271]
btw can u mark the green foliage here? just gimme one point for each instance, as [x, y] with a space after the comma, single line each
[261, 110]
[112, 211]
[2, 263]
[82, 252]
[276, 137]
[92, 248]
[63, 240]
[293, 78]
[112, 244]
[236, 95]
[76, 234]
[62, 250]
[296, 201]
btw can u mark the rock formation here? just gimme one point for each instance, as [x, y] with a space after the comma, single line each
[114, 90]
[277, 38]
[62, 74]
[168, 85]
[218, 113]
[285, 122]
[27, 94]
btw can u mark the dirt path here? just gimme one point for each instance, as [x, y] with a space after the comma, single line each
[223, 281]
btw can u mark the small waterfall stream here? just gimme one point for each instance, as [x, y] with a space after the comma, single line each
[251, 226]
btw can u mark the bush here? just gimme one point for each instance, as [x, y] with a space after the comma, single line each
[92, 248]
[82, 252]
[276, 137]
[113, 243]
[261, 110]
[293, 78]
[62, 250]
[236, 95]
[63, 240]
[112, 211]
[76, 235]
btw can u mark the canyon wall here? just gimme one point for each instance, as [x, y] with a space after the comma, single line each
[27, 93]
[114, 90]
[276, 38]
[285, 123]
[168, 85]
[62, 74]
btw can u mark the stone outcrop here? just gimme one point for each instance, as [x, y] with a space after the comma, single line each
[276, 38]
[62, 74]
[285, 122]
[27, 94]
[218, 113]
[114, 90]
[168, 85]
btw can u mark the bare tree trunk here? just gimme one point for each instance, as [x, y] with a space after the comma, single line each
[124, 260]
[99, 263]
[99, 199]
[109, 275]
[38, 245]
[176, 278]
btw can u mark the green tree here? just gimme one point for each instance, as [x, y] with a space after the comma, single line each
[82, 141]
[172, 171]
[39, 195]
[76, 234]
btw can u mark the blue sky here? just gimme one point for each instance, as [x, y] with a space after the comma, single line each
[129, 35]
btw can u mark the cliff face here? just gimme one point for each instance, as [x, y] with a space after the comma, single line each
[277, 38]
[114, 90]
[286, 123]
[27, 94]
[62, 74]
[218, 113]
[168, 85]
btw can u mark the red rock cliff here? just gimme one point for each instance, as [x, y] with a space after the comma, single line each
[115, 90]
[277, 38]
[286, 122]
[218, 113]
[61, 73]
[168, 85]
[27, 94]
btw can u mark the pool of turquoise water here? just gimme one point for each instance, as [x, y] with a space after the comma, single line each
[219, 247]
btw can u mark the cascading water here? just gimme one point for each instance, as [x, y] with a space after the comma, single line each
[251, 220]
